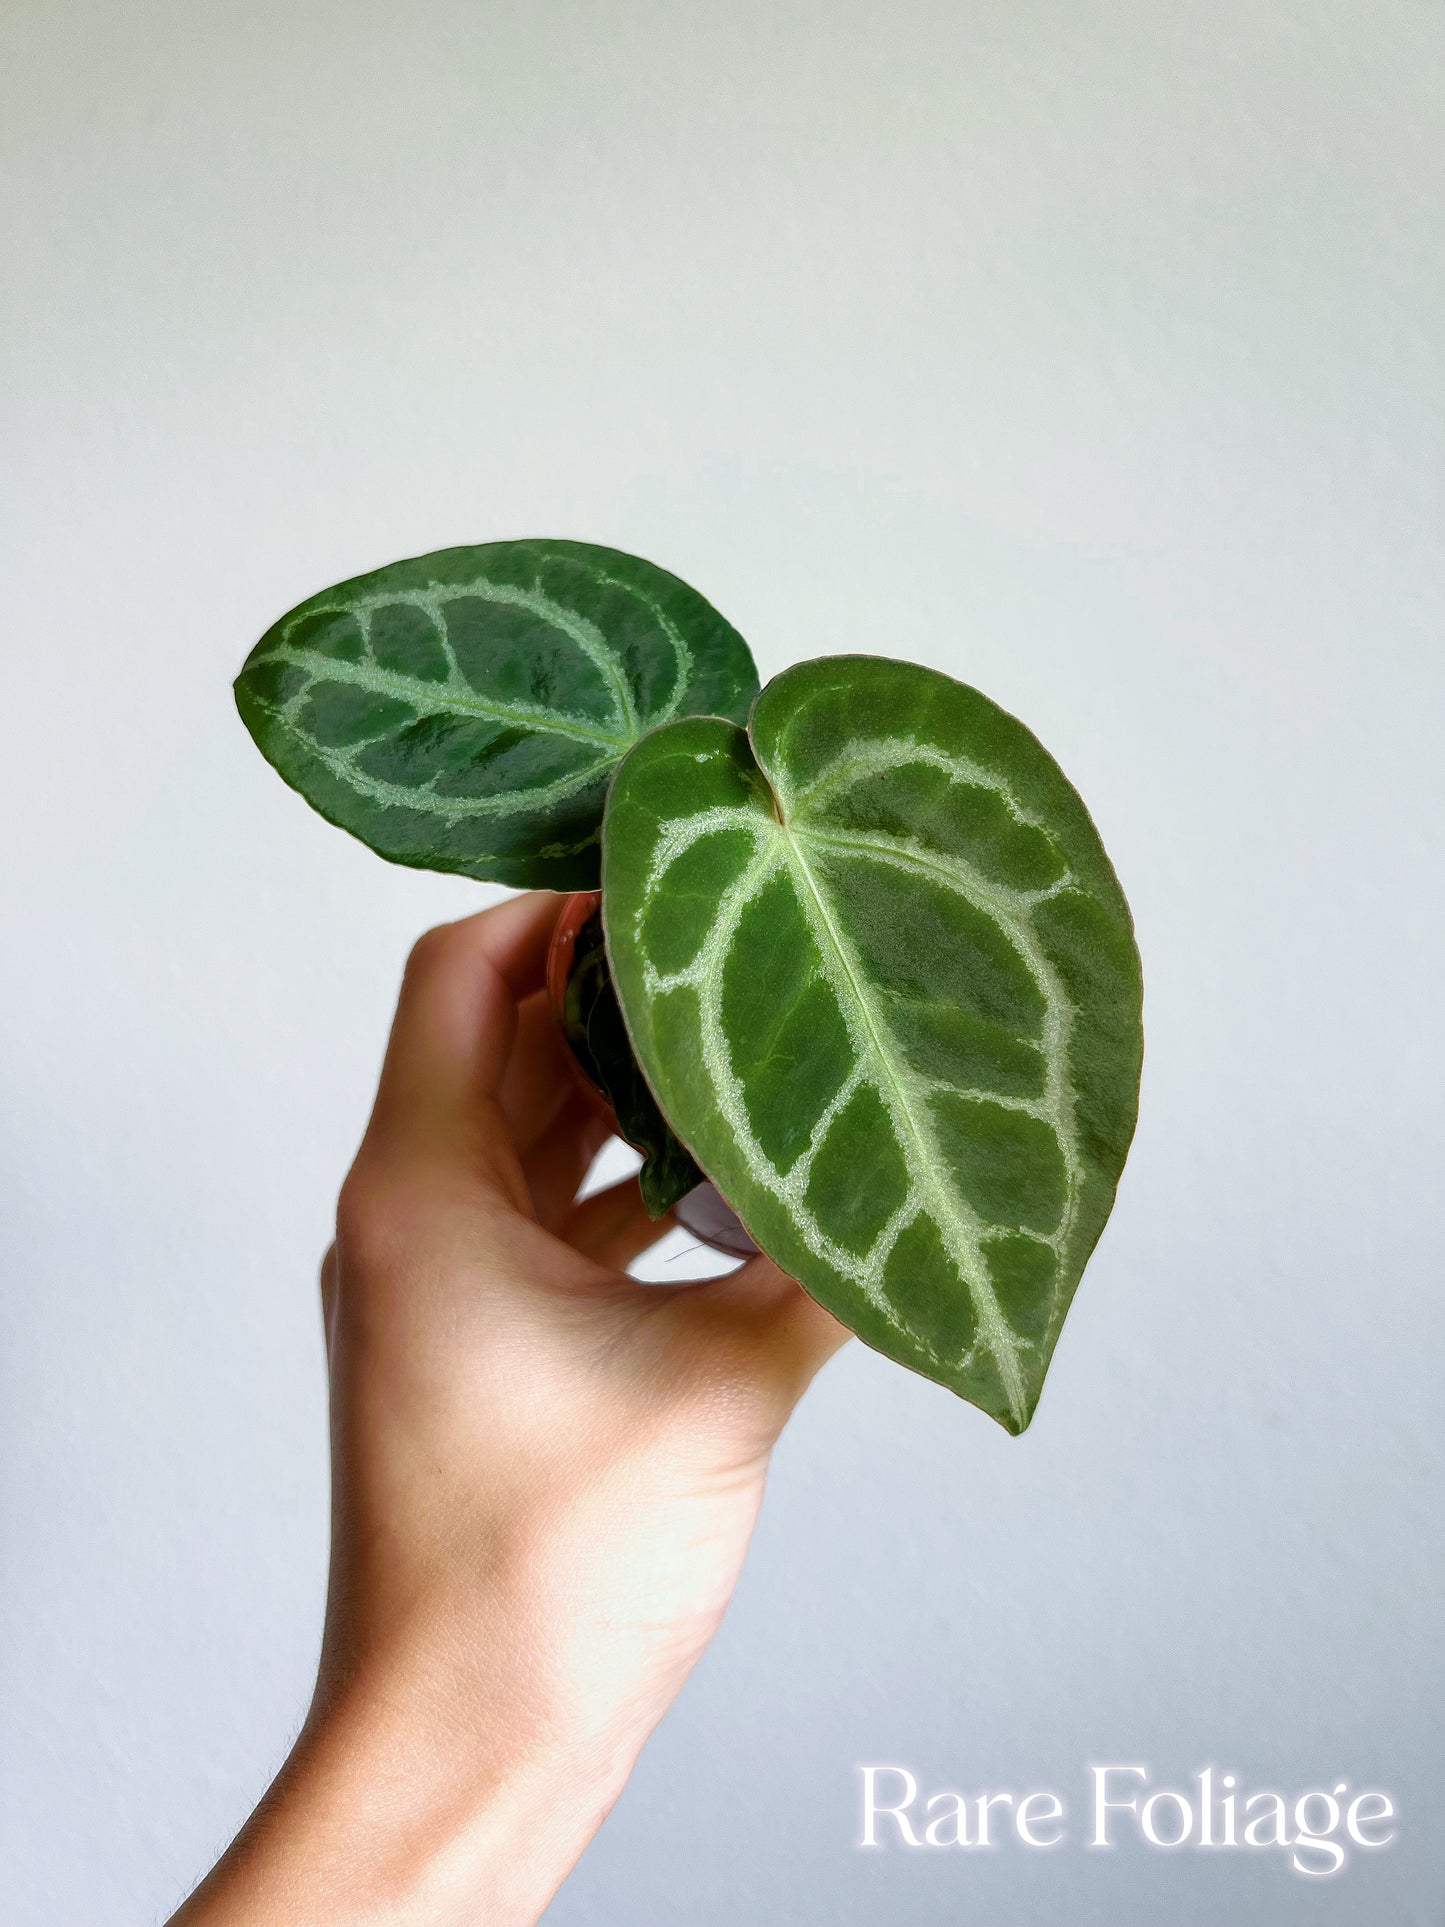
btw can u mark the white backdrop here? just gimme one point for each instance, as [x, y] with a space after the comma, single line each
[1090, 352]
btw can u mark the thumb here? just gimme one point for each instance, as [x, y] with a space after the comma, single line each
[455, 1021]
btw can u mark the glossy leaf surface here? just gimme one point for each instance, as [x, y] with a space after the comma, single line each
[465, 710]
[882, 978]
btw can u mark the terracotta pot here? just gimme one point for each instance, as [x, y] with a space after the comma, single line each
[703, 1212]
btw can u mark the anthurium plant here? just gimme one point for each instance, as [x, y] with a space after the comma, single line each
[860, 957]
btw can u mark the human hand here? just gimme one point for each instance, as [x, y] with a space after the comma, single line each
[544, 1474]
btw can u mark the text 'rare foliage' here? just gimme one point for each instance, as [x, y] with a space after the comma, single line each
[465, 710]
[882, 979]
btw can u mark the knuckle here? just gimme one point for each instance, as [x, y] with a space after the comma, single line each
[375, 1221]
[430, 948]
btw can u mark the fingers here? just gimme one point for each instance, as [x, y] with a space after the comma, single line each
[455, 1021]
[539, 1081]
[328, 1293]
[556, 1165]
[614, 1226]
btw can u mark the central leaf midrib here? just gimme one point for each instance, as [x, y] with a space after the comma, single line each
[445, 698]
[1009, 908]
[995, 1327]
[421, 797]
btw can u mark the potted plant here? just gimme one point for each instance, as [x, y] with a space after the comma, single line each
[859, 957]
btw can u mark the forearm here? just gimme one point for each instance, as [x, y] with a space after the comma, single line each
[467, 1740]
[396, 1805]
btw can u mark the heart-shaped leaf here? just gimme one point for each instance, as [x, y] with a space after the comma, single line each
[882, 978]
[465, 710]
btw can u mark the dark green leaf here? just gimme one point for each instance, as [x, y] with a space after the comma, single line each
[465, 710]
[882, 978]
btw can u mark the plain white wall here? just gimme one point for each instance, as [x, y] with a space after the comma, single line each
[1087, 349]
